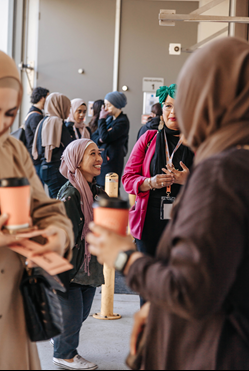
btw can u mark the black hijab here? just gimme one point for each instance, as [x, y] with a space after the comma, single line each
[182, 154]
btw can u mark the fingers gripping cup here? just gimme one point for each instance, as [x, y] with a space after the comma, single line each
[15, 201]
[112, 213]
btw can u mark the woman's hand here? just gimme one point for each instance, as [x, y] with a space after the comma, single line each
[103, 113]
[6, 239]
[56, 241]
[106, 245]
[140, 319]
[180, 176]
[163, 180]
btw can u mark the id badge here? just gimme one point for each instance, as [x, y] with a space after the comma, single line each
[166, 207]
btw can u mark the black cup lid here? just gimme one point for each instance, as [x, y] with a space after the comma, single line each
[112, 203]
[14, 182]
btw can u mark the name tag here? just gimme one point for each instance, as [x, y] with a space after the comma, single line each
[167, 204]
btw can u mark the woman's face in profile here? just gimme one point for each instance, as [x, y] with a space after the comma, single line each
[8, 108]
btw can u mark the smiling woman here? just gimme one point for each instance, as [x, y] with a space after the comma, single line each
[81, 163]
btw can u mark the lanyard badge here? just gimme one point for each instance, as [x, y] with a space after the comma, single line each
[167, 201]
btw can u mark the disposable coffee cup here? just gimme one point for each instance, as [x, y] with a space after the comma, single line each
[112, 213]
[15, 199]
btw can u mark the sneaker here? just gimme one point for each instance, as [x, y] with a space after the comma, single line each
[79, 363]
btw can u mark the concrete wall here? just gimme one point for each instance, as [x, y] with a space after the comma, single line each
[72, 35]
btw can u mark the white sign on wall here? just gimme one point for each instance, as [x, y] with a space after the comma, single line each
[152, 84]
[149, 100]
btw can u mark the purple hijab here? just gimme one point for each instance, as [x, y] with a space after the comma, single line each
[71, 160]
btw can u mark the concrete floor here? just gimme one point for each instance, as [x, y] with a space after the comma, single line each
[105, 343]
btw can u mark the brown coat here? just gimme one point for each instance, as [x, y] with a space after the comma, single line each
[199, 282]
[16, 350]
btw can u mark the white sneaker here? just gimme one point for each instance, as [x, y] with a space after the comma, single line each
[79, 363]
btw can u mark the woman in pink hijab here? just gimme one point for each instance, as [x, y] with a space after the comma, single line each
[81, 163]
[76, 120]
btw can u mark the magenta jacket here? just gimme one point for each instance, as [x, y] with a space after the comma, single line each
[135, 173]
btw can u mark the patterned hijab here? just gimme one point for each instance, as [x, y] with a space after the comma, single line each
[212, 101]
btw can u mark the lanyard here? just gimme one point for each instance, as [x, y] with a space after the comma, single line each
[169, 159]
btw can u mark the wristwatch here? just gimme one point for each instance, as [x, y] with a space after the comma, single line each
[122, 260]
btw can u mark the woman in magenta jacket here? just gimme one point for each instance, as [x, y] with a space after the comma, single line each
[159, 165]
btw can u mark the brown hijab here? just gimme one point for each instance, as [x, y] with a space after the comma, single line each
[212, 102]
[9, 78]
[57, 109]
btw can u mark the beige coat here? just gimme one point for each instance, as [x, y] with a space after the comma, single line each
[16, 350]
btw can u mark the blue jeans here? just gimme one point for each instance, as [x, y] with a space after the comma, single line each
[75, 310]
[52, 177]
[38, 172]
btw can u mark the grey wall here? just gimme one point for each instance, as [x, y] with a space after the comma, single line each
[76, 34]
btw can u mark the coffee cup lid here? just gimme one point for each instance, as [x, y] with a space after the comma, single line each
[112, 203]
[14, 182]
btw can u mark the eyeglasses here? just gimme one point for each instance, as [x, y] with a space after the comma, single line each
[168, 107]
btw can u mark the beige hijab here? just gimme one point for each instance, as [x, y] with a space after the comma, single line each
[9, 78]
[57, 109]
[76, 104]
[212, 103]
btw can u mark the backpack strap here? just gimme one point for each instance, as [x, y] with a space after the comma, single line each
[31, 113]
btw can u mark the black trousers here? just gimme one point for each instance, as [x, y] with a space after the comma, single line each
[52, 177]
[152, 232]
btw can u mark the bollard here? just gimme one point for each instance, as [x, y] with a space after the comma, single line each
[107, 300]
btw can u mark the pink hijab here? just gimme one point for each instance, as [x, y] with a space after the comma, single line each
[71, 160]
[75, 104]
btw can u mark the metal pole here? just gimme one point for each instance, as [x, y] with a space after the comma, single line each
[232, 13]
[117, 44]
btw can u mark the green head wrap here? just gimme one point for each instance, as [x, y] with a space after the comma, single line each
[164, 91]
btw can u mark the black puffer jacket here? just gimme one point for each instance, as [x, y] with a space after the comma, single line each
[151, 125]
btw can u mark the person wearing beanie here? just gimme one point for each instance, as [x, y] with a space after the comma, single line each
[113, 135]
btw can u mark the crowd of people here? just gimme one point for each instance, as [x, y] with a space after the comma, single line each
[189, 171]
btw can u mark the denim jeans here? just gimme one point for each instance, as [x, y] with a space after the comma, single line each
[75, 310]
[52, 177]
[38, 172]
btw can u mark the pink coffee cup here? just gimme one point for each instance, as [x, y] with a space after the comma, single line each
[112, 213]
[15, 201]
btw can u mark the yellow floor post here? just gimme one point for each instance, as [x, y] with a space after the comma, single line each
[107, 299]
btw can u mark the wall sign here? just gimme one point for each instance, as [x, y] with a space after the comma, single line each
[152, 84]
[149, 100]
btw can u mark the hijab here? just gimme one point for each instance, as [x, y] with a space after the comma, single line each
[75, 105]
[57, 107]
[212, 101]
[71, 160]
[9, 78]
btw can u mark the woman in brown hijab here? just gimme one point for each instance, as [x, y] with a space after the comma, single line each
[198, 284]
[16, 350]
[51, 139]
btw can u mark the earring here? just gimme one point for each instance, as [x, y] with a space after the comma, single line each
[161, 125]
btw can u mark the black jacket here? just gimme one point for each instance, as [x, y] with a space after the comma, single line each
[70, 128]
[30, 128]
[151, 125]
[57, 152]
[112, 136]
[72, 201]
